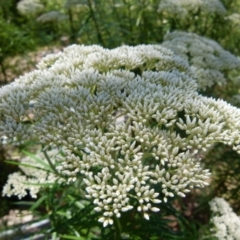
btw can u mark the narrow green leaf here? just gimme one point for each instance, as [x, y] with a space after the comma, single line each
[41, 162]
[139, 18]
[64, 214]
[39, 184]
[72, 237]
[38, 202]
[24, 203]
[13, 162]
[54, 236]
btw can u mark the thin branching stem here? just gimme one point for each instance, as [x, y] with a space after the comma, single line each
[99, 35]
[50, 162]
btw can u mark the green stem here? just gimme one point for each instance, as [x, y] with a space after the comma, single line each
[129, 19]
[50, 163]
[72, 30]
[99, 35]
[3, 70]
[118, 227]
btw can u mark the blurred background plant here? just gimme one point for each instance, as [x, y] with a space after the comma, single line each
[32, 29]
[29, 24]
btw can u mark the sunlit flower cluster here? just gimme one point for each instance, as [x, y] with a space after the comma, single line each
[183, 8]
[129, 121]
[76, 4]
[35, 173]
[234, 18]
[28, 7]
[208, 60]
[52, 16]
[226, 222]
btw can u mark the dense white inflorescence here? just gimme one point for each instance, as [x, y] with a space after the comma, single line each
[35, 173]
[208, 60]
[76, 4]
[52, 16]
[226, 222]
[129, 121]
[184, 8]
[28, 7]
[234, 18]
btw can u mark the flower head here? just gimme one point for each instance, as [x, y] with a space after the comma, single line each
[207, 59]
[28, 7]
[35, 171]
[226, 222]
[52, 16]
[183, 8]
[129, 121]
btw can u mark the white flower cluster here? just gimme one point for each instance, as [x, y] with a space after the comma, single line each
[26, 7]
[52, 16]
[76, 4]
[182, 8]
[234, 18]
[208, 60]
[141, 58]
[129, 121]
[226, 222]
[35, 173]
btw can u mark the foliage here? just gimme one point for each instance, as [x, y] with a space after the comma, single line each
[13, 41]
[113, 23]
